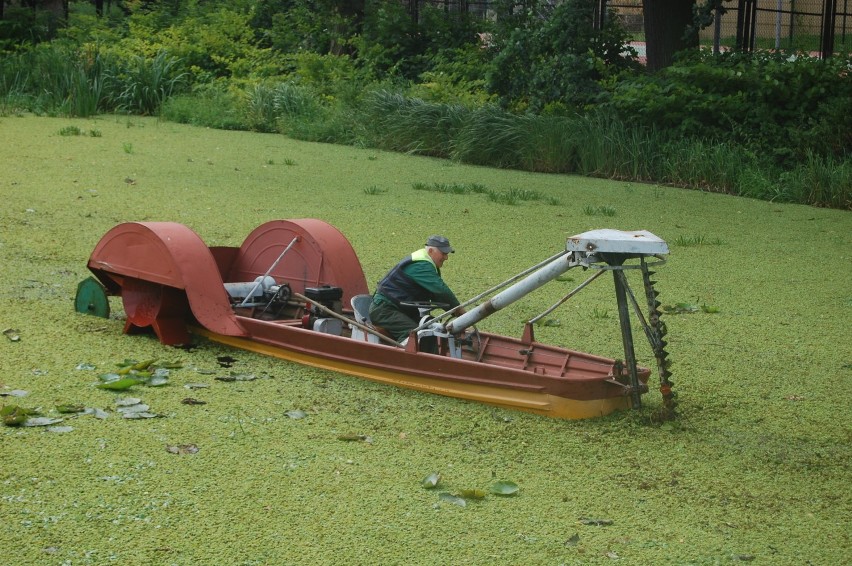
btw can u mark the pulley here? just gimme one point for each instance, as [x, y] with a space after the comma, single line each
[91, 298]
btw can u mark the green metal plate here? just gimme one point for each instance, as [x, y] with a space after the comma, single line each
[92, 298]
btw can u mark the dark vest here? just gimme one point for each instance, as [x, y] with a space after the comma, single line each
[397, 286]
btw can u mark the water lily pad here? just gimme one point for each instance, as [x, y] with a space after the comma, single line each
[95, 412]
[454, 499]
[12, 335]
[157, 381]
[182, 449]
[127, 401]
[504, 488]
[14, 393]
[140, 415]
[42, 421]
[119, 385]
[138, 408]
[69, 409]
[596, 522]
[237, 377]
[13, 415]
[431, 481]
[140, 366]
[109, 377]
[477, 494]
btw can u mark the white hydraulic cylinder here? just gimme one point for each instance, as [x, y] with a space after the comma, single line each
[517, 291]
[582, 249]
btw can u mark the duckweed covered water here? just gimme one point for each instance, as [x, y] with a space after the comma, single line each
[756, 468]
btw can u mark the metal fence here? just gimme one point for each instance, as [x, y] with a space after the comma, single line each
[821, 27]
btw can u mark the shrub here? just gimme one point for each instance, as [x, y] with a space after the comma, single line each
[143, 84]
[766, 101]
[396, 122]
[212, 106]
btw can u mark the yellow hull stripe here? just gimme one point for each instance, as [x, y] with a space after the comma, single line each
[539, 403]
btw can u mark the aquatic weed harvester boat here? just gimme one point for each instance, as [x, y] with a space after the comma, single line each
[295, 290]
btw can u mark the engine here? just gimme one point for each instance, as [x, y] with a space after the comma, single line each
[264, 292]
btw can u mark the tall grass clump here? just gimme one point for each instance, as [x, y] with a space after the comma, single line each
[300, 112]
[820, 181]
[549, 144]
[281, 107]
[56, 79]
[703, 164]
[395, 122]
[143, 84]
[615, 150]
[490, 136]
[211, 105]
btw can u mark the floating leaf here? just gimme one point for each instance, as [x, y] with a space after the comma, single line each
[68, 409]
[14, 393]
[504, 487]
[680, 308]
[170, 365]
[60, 428]
[85, 366]
[137, 408]
[140, 415]
[477, 494]
[12, 335]
[108, 377]
[157, 381]
[97, 413]
[140, 366]
[127, 401]
[450, 498]
[296, 414]
[225, 361]
[432, 480]
[596, 522]
[237, 377]
[13, 415]
[119, 385]
[709, 310]
[191, 401]
[182, 449]
[41, 421]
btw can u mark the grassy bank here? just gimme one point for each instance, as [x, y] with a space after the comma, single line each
[755, 469]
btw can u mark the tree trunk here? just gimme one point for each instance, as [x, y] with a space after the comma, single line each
[666, 30]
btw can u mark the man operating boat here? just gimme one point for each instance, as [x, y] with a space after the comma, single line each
[415, 279]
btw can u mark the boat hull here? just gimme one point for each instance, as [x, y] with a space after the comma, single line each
[580, 394]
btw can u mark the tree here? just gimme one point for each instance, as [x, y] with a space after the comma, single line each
[669, 28]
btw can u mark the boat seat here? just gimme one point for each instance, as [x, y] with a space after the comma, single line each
[361, 308]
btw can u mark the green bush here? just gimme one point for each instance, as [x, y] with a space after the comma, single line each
[562, 58]
[769, 102]
[398, 123]
[212, 106]
[143, 84]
